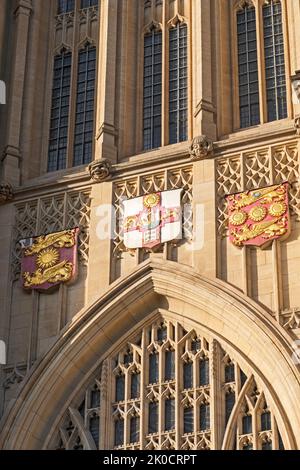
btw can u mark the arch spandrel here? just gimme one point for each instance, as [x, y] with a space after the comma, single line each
[241, 327]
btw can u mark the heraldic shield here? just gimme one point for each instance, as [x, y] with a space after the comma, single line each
[49, 260]
[260, 216]
[152, 219]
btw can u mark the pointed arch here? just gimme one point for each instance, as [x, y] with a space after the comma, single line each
[181, 296]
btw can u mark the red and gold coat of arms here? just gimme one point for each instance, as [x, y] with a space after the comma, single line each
[49, 260]
[257, 217]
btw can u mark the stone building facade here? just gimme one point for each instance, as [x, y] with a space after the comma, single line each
[193, 345]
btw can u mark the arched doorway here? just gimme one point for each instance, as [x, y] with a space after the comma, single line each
[165, 360]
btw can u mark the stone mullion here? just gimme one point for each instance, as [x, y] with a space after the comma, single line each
[161, 416]
[73, 87]
[126, 408]
[63, 289]
[216, 397]
[108, 423]
[177, 387]
[245, 253]
[275, 439]
[143, 400]
[261, 61]
[255, 429]
[287, 58]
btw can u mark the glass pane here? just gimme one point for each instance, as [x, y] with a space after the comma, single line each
[266, 421]
[135, 386]
[188, 375]
[94, 429]
[169, 365]
[120, 388]
[153, 418]
[178, 103]
[204, 372]
[229, 404]
[274, 61]
[169, 414]
[134, 429]
[153, 368]
[188, 418]
[247, 424]
[119, 432]
[204, 417]
[229, 373]
[247, 65]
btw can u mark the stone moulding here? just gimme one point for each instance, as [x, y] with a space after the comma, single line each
[6, 193]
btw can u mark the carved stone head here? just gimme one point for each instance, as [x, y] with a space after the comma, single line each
[100, 170]
[201, 148]
[6, 192]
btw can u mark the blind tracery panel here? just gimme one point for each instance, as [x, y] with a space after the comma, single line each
[209, 402]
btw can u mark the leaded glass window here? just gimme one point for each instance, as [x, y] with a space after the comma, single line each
[88, 3]
[204, 417]
[94, 428]
[204, 372]
[169, 414]
[274, 61]
[188, 375]
[135, 385]
[65, 6]
[95, 398]
[229, 373]
[169, 365]
[120, 387]
[178, 86]
[119, 432]
[152, 89]
[135, 429]
[153, 368]
[153, 417]
[265, 421]
[84, 125]
[58, 139]
[247, 424]
[188, 420]
[248, 67]
[229, 404]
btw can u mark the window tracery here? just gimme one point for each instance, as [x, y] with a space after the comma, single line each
[178, 412]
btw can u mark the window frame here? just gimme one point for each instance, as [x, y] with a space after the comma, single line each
[263, 111]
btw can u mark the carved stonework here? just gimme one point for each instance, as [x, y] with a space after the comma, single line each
[100, 170]
[291, 319]
[297, 125]
[201, 148]
[6, 192]
[14, 376]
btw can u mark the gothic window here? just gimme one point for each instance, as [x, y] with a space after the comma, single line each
[152, 89]
[88, 3]
[153, 368]
[84, 124]
[229, 373]
[188, 375]
[135, 429]
[120, 388]
[145, 412]
[204, 372]
[265, 421]
[169, 414]
[262, 96]
[274, 61]
[153, 418]
[248, 67]
[188, 420]
[119, 432]
[64, 6]
[204, 417]
[178, 98]
[71, 129]
[169, 365]
[60, 111]
[135, 386]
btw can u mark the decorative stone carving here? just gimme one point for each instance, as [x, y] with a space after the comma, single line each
[291, 318]
[295, 79]
[13, 378]
[201, 148]
[100, 170]
[6, 192]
